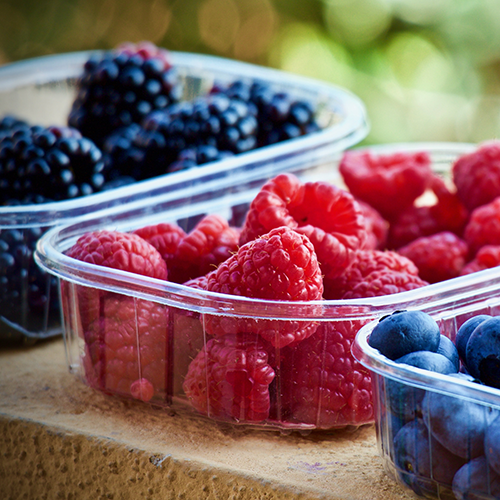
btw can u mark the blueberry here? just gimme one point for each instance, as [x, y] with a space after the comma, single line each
[465, 331]
[447, 349]
[476, 481]
[427, 360]
[405, 400]
[492, 445]
[423, 463]
[456, 423]
[403, 332]
[483, 352]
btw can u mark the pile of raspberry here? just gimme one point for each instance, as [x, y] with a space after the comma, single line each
[299, 242]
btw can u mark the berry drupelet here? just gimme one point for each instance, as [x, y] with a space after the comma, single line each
[40, 164]
[121, 87]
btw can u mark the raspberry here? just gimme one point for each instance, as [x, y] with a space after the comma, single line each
[124, 251]
[439, 257]
[200, 283]
[122, 86]
[326, 214]
[125, 337]
[389, 183]
[126, 348]
[477, 175]
[364, 263]
[211, 242]
[280, 265]
[377, 228]
[379, 283]
[410, 225]
[230, 377]
[486, 258]
[165, 237]
[483, 227]
[325, 385]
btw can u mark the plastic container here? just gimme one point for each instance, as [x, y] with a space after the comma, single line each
[432, 428]
[312, 387]
[42, 90]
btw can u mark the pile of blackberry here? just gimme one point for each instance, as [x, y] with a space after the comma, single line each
[121, 87]
[127, 123]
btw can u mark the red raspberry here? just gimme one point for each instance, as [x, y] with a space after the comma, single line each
[114, 325]
[477, 175]
[113, 361]
[390, 183]
[483, 227]
[326, 214]
[439, 257]
[323, 384]
[364, 263]
[449, 212]
[229, 379]
[211, 242]
[200, 283]
[486, 258]
[379, 283]
[124, 251]
[165, 237]
[280, 265]
[377, 228]
[410, 225]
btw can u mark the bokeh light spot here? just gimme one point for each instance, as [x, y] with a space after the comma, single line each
[219, 22]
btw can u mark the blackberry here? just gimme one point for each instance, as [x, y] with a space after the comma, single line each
[280, 115]
[213, 125]
[28, 296]
[121, 87]
[40, 164]
[10, 122]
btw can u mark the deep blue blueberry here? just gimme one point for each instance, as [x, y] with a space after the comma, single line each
[447, 349]
[475, 480]
[423, 463]
[404, 332]
[483, 352]
[455, 422]
[465, 331]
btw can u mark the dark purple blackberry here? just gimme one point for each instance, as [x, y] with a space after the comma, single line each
[280, 115]
[10, 122]
[28, 296]
[40, 164]
[121, 87]
[217, 124]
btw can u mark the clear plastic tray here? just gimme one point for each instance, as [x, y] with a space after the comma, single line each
[42, 90]
[300, 398]
[409, 435]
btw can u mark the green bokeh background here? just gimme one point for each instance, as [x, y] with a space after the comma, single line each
[427, 70]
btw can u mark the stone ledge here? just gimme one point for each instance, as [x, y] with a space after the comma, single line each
[61, 439]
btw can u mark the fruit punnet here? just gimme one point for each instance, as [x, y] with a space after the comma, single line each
[441, 443]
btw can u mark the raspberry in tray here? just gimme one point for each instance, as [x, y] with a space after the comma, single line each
[280, 265]
[125, 338]
[389, 183]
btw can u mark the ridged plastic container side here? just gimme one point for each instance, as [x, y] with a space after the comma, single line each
[243, 377]
[42, 90]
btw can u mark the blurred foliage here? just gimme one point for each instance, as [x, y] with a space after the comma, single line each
[426, 70]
